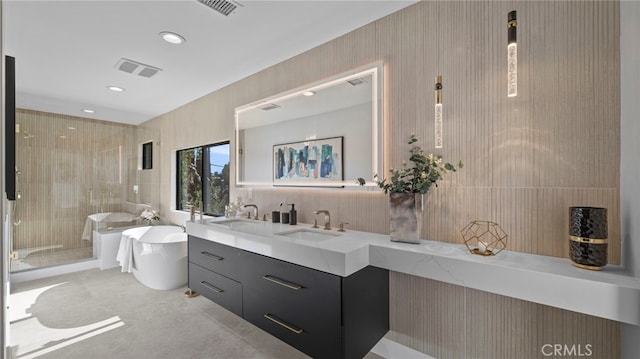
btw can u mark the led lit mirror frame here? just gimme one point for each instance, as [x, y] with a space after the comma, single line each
[330, 112]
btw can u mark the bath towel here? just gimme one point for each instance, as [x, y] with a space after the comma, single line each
[125, 251]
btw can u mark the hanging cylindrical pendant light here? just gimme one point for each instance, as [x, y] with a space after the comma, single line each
[438, 112]
[512, 55]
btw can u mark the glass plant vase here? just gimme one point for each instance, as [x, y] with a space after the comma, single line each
[405, 211]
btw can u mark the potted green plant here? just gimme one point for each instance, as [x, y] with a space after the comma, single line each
[406, 187]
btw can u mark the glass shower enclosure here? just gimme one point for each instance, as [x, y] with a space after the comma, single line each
[74, 175]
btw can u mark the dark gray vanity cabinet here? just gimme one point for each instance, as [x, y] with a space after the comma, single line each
[299, 305]
[321, 314]
[214, 273]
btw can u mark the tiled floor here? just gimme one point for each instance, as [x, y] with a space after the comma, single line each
[108, 314]
[49, 256]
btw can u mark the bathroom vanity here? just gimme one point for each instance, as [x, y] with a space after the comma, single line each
[345, 256]
[322, 314]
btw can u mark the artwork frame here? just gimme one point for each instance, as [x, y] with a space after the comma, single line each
[313, 162]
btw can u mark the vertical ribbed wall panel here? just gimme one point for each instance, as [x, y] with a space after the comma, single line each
[447, 321]
[427, 315]
[497, 327]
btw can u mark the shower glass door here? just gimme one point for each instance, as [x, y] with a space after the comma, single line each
[70, 174]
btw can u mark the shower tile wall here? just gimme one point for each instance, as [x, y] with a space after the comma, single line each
[70, 168]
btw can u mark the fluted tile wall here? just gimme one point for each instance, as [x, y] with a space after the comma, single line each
[527, 159]
[427, 315]
[447, 321]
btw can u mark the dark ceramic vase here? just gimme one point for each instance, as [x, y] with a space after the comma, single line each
[588, 237]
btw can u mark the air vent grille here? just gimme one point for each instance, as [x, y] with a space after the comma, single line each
[269, 107]
[222, 6]
[357, 81]
[136, 68]
[147, 72]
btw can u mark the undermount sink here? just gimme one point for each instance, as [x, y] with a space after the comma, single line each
[307, 234]
[237, 224]
[229, 221]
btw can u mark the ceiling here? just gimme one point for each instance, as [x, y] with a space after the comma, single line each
[66, 51]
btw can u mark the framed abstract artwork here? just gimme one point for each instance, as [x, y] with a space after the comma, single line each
[316, 162]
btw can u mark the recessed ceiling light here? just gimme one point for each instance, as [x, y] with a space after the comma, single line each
[308, 93]
[62, 137]
[115, 88]
[86, 110]
[70, 128]
[172, 37]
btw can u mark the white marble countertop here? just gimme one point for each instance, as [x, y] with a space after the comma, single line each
[342, 255]
[611, 293]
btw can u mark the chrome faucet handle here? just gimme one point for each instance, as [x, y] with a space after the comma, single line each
[341, 226]
[315, 223]
[327, 218]
[249, 214]
[327, 225]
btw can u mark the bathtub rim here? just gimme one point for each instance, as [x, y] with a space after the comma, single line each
[170, 234]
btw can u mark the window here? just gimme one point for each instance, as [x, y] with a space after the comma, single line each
[203, 175]
[147, 156]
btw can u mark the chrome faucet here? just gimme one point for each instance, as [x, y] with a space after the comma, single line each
[327, 218]
[249, 214]
[193, 211]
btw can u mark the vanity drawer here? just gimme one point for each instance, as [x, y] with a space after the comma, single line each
[220, 289]
[290, 283]
[314, 329]
[214, 256]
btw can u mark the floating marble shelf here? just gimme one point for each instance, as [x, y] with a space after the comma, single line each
[611, 293]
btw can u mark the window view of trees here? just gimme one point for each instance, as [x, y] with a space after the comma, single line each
[203, 175]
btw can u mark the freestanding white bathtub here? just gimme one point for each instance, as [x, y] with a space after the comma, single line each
[159, 255]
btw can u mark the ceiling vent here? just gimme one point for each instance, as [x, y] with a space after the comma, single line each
[357, 81]
[136, 68]
[269, 107]
[225, 7]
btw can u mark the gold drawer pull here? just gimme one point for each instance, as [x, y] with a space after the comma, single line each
[283, 324]
[282, 282]
[212, 256]
[211, 286]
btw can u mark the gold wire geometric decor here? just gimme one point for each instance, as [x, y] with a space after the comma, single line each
[484, 238]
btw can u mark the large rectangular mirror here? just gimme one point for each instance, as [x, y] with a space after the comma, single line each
[323, 135]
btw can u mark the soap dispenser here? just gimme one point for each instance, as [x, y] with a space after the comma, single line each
[293, 214]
